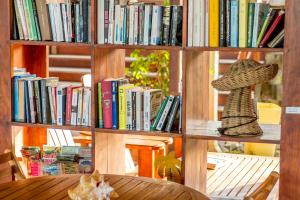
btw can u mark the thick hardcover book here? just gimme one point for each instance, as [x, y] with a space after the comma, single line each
[234, 24]
[275, 28]
[251, 9]
[260, 14]
[152, 103]
[222, 23]
[61, 104]
[158, 116]
[109, 17]
[269, 19]
[173, 113]
[141, 23]
[166, 25]
[85, 19]
[100, 115]
[157, 14]
[147, 24]
[277, 41]
[38, 101]
[122, 105]
[100, 22]
[176, 26]
[43, 16]
[164, 115]
[228, 17]
[107, 104]
[214, 23]
[74, 111]
[243, 23]
[190, 22]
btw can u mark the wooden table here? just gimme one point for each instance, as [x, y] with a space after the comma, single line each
[134, 188]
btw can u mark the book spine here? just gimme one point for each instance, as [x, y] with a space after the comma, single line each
[127, 24]
[117, 25]
[64, 100]
[38, 101]
[174, 20]
[51, 104]
[196, 23]
[100, 22]
[180, 116]
[81, 20]
[234, 35]
[243, 23]
[251, 8]
[156, 25]
[64, 21]
[100, 118]
[115, 109]
[207, 19]
[131, 25]
[172, 114]
[165, 113]
[121, 25]
[69, 105]
[136, 25]
[124, 23]
[15, 99]
[31, 102]
[110, 7]
[107, 104]
[79, 109]
[23, 18]
[141, 23]
[223, 23]
[190, 22]
[21, 88]
[77, 22]
[28, 19]
[69, 20]
[147, 24]
[85, 19]
[18, 19]
[74, 110]
[85, 111]
[159, 114]
[139, 111]
[179, 28]
[166, 25]
[265, 26]
[147, 112]
[122, 108]
[27, 108]
[133, 100]
[44, 101]
[228, 13]
[277, 40]
[43, 18]
[129, 109]
[59, 108]
[32, 20]
[36, 20]
[52, 23]
[214, 23]
[59, 23]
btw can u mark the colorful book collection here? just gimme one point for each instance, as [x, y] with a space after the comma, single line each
[139, 24]
[235, 23]
[57, 160]
[123, 106]
[48, 101]
[54, 20]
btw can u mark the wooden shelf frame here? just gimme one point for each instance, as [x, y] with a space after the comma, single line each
[109, 144]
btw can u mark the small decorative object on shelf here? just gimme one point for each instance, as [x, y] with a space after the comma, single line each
[239, 117]
[93, 188]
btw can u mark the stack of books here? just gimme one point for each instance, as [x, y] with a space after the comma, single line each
[139, 24]
[125, 107]
[55, 20]
[48, 101]
[235, 23]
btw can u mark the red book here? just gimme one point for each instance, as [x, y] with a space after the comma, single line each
[69, 105]
[106, 103]
[274, 29]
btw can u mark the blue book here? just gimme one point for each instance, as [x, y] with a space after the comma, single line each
[234, 24]
[16, 94]
[115, 115]
[27, 106]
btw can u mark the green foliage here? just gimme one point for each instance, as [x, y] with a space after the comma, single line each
[168, 166]
[150, 71]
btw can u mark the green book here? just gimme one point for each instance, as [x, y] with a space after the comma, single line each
[36, 21]
[266, 23]
[251, 8]
[27, 17]
[19, 23]
[32, 21]
[100, 106]
[153, 127]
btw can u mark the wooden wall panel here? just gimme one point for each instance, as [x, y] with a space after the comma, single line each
[290, 138]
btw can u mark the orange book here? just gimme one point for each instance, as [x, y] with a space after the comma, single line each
[214, 23]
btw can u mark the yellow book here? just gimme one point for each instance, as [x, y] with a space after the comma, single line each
[122, 105]
[243, 23]
[214, 23]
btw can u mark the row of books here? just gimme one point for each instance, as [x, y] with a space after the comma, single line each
[139, 24]
[125, 107]
[235, 23]
[56, 20]
[57, 160]
[48, 101]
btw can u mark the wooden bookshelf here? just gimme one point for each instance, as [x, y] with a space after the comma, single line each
[108, 61]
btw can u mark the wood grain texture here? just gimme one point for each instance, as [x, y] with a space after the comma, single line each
[290, 142]
[127, 187]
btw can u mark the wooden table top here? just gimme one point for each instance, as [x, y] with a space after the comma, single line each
[134, 188]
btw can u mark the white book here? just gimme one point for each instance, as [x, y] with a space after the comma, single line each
[58, 23]
[129, 109]
[136, 25]
[69, 20]
[52, 20]
[165, 113]
[79, 113]
[199, 23]
[100, 22]
[31, 101]
[131, 25]
[147, 24]
[156, 25]
[190, 22]
[23, 18]
[111, 22]
[60, 102]
[65, 23]
[139, 110]
[51, 104]
[206, 41]
[152, 103]
[74, 107]
[121, 25]
[117, 24]
[255, 25]
[85, 110]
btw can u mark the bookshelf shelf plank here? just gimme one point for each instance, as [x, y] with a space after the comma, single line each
[49, 43]
[149, 47]
[233, 49]
[75, 128]
[207, 130]
[147, 133]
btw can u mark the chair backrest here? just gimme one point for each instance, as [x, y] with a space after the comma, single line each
[14, 170]
[263, 191]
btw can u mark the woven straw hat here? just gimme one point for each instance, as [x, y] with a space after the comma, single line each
[239, 117]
